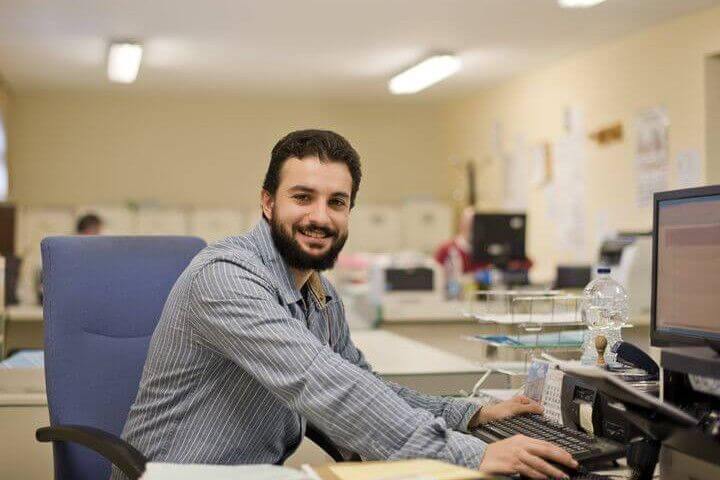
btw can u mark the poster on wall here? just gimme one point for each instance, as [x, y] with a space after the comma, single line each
[517, 177]
[689, 169]
[567, 202]
[651, 154]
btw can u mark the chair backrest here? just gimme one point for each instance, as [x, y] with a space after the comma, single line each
[103, 297]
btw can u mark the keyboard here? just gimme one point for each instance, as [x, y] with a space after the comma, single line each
[585, 449]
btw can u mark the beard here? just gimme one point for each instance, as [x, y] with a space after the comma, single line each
[293, 253]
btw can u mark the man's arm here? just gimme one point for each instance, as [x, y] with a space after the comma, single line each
[459, 414]
[234, 310]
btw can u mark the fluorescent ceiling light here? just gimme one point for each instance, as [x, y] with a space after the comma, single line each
[424, 74]
[124, 62]
[579, 3]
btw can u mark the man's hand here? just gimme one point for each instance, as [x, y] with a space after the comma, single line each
[526, 456]
[515, 406]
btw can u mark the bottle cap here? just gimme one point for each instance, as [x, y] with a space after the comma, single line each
[603, 270]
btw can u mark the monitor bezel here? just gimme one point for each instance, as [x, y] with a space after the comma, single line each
[675, 337]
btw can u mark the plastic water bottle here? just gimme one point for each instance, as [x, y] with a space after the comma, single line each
[453, 272]
[605, 309]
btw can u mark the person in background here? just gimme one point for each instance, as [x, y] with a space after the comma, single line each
[89, 224]
[462, 244]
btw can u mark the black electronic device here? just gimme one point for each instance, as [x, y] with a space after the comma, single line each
[605, 421]
[572, 276]
[7, 229]
[631, 356]
[584, 448]
[409, 279]
[611, 250]
[498, 238]
[686, 268]
[12, 273]
[654, 420]
[691, 381]
[620, 391]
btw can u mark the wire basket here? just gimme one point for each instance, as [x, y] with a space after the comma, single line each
[538, 320]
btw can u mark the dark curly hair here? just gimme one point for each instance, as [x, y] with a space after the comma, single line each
[326, 145]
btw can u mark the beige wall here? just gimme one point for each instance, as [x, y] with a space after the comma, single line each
[664, 65]
[712, 116]
[4, 100]
[71, 148]
[74, 147]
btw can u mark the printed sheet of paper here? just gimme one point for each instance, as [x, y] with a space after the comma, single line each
[399, 469]
[689, 169]
[651, 154]
[535, 383]
[174, 471]
[567, 193]
[517, 176]
[551, 397]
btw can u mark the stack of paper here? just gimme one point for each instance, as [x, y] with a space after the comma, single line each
[174, 471]
[420, 469]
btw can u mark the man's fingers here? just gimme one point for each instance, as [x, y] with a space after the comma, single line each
[541, 466]
[527, 471]
[552, 452]
[522, 399]
[533, 407]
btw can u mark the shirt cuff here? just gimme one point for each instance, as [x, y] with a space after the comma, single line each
[458, 413]
[466, 450]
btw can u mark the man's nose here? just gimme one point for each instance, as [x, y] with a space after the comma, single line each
[319, 213]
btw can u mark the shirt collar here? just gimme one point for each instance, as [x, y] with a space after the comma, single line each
[262, 238]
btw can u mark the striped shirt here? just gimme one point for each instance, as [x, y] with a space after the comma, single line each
[241, 360]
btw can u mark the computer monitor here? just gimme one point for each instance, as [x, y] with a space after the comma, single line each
[572, 276]
[498, 238]
[685, 304]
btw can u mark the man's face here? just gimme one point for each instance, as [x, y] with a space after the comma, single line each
[309, 212]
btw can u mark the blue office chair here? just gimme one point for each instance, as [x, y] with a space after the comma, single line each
[103, 297]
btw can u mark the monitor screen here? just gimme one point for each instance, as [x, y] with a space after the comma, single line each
[498, 238]
[686, 272]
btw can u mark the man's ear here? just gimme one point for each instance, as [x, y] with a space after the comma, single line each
[268, 201]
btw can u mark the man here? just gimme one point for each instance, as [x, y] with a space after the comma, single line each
[89, 224]
[253, 343]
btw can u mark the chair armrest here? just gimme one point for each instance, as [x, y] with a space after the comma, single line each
[324, 442]
[120, 453]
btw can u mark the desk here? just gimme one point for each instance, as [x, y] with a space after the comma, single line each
[421, 311]
[23, 409]
[415, 364]
[23, 328]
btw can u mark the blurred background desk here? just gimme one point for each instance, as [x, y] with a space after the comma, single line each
[23, 328]
[23, 409]
[415, 364]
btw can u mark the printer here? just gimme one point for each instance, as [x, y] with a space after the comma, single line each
[409, 288]
[629, 256]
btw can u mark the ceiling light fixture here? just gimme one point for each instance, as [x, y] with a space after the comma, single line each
[424, 74]
[579, 3]
[124, 61]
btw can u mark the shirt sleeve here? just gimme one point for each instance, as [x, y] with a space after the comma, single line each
[456, 412]
[235, 310]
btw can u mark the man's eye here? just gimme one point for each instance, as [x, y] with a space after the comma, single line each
[338, 202]
[302, 198]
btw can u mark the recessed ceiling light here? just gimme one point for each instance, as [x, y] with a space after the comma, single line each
[424, 74]
[124, 61]
[579, 3]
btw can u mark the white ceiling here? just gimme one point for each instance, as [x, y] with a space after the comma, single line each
[344, 48]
